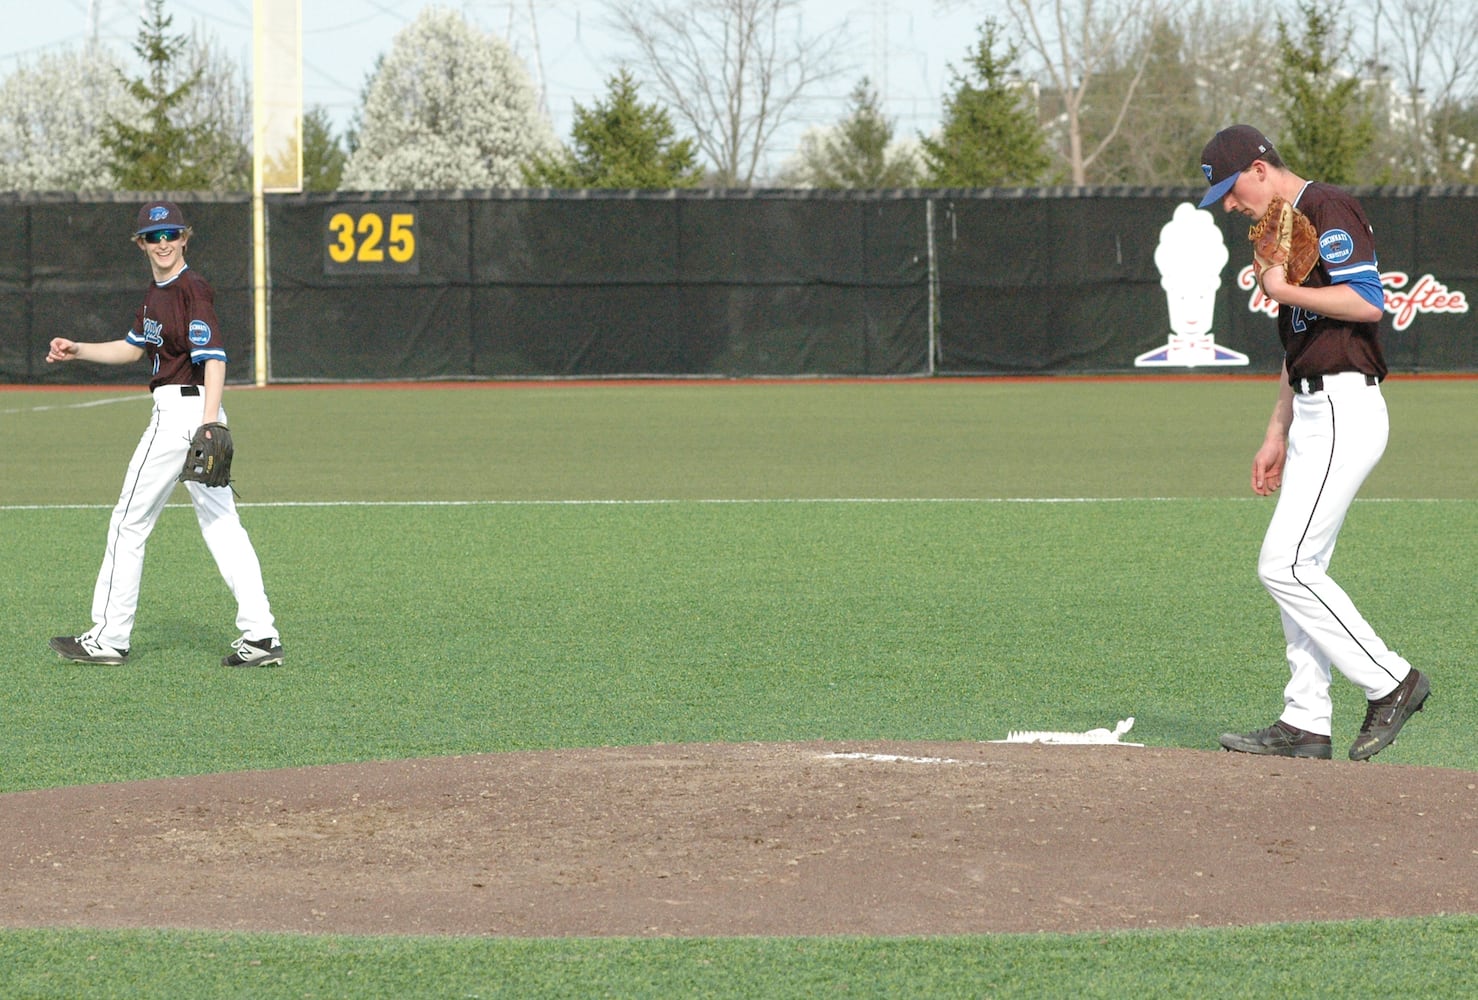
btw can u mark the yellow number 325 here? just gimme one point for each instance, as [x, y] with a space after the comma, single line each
[363, 240]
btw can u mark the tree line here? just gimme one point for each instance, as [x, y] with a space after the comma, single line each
[1064, 92]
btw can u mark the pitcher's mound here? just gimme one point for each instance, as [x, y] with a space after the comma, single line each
[788, 839]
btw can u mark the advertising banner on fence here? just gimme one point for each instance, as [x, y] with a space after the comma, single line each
[1191, 256]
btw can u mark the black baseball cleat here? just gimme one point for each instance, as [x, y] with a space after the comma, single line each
[85, 649]
[1280, 740]
[1384, 717]
[254, 653]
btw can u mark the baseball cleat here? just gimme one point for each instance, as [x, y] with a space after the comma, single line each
[1384, 717]
[254, 653]
[1280, 740]
[85, 649]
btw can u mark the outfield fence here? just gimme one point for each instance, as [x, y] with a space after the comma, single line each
[589, 284]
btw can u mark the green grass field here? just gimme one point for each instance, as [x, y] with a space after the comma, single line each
[476, 569]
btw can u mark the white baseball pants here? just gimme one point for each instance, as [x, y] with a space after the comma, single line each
[1337, 437]
[151, 477]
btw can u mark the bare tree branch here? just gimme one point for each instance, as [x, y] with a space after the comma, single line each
[1428, 46]
[1086, 38]
[733, 71]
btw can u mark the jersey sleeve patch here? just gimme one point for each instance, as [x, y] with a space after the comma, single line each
[1336, 246]
[199, 332]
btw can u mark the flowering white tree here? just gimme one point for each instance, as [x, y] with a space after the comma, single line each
[219, 105]
[52, 116]
[449, 107]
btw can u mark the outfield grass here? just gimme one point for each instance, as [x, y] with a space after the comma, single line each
[472, 569]
[1411, 958]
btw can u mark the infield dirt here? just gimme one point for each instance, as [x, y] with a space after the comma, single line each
[750, 839]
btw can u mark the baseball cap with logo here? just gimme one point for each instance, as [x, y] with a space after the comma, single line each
[158, 215]
[1230, 152]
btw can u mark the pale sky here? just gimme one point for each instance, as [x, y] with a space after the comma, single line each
[570, 51]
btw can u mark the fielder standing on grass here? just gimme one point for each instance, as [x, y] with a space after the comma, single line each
[1327, 432]
[177, 330]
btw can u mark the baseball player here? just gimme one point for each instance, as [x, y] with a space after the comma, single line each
[1327, 432]
[177, 330]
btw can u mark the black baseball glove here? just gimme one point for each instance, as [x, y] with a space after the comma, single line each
[209, 458]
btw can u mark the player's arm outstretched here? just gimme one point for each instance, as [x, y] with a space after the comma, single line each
[112, 352]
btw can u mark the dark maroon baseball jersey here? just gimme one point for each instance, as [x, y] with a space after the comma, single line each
[1318, 345]
[177, 327]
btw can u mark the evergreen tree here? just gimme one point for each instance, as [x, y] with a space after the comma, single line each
[858, 153]
[449, 107]
[619, 143]
[990, 135]
[323, 156]
[218, 109]
[1330, 128]
[154, 152]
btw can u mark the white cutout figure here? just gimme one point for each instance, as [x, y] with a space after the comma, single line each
[1190, 258]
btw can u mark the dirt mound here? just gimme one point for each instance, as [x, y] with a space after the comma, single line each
[789, 839]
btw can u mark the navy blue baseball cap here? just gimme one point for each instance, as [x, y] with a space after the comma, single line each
[158, 215]
[1230, 152]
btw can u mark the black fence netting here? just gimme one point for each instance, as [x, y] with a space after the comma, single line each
[69, 269]
[418, 285]
[1028, 284]
[604, 286]
[1429, 262]
[707, 287]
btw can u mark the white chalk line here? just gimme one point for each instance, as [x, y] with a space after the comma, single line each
[716, 501]
[136, 397]
[651, 502]
[894, 758]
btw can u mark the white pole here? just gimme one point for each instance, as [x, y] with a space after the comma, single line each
[277, 131]
[258, 202]
[933, 286]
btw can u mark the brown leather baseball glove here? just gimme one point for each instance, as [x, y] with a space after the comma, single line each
[1284, 235]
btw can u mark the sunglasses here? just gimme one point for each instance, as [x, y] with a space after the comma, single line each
[163, 235]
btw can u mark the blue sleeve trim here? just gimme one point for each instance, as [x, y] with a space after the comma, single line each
[212, 354]
[1367, 284]
[135, 339]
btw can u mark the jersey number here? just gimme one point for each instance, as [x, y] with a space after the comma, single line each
[1301, 319]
